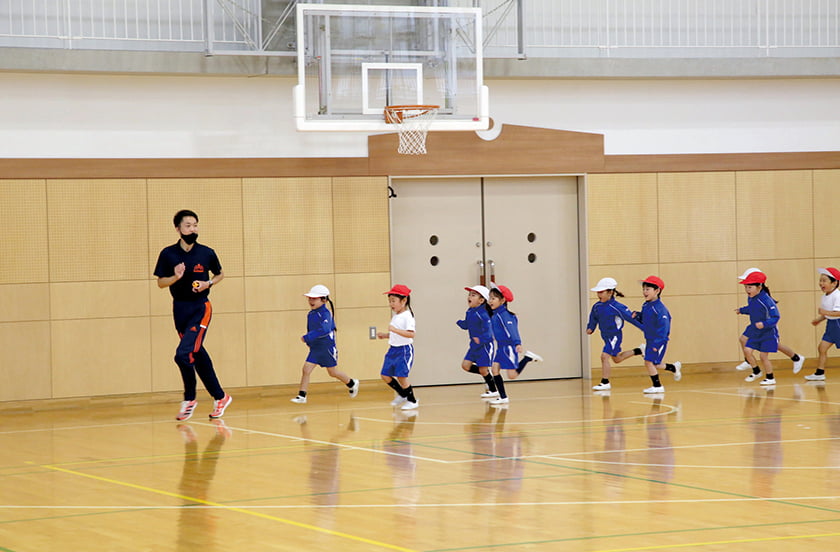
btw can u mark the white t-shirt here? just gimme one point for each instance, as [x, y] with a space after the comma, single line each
[401, 321]
[831, 302]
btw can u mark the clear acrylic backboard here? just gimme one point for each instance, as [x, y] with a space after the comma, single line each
[355, 60]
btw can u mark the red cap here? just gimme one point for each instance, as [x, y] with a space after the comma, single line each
[654, 280]
[398, 289]
[756, 277]
[830, 271]
[506, 293]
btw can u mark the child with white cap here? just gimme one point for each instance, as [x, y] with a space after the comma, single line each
[479, 357]
[830, 312]
[320, 338]
[749, 358]
[610, 315]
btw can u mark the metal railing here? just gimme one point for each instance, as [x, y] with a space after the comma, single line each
[513, 28]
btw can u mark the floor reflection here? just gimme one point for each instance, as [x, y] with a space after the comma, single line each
[403, 466]
[765, 415]
[498, 466]
[196, 524]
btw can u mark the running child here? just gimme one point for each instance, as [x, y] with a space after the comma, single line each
[655, 322]
[830, 312]
[508, 343]
[749, 359]
[320, 338]
[400, 356]
[763, 333]
[479, 357]
[610, 315]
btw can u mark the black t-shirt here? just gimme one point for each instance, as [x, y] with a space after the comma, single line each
[199, 263]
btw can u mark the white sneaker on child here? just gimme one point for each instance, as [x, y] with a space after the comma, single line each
[677, 371]
[489, 394]
[398, 401]
[797, 365]
[752, 377]
[743, 366]
[533, 356]
[299, 400]
[653, 389]
[602, 387]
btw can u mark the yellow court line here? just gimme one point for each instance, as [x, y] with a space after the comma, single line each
[713, 543]
[232, 509]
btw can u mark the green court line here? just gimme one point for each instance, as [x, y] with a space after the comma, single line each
[643, 534]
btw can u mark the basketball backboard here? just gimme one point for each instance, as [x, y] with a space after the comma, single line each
[355, 60]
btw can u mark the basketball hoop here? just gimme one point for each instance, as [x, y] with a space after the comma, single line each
[412, 122]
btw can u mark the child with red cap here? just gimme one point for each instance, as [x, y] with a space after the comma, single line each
[830, 312]
[508, 343]
[655, 322]
[400, 356]
[763, 335]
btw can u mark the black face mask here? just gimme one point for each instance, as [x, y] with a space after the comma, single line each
[189, 239]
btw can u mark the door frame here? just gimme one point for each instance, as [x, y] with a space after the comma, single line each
[583, 245]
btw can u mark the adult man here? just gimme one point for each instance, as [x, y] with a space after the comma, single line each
[185, 268]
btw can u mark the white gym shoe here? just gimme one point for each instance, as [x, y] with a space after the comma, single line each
[752, 377]
[355, 389]
[766, 381]
[743, 366]
[500, 400]
[533, 356]
[642, 348]
[660, 389]
[677, 371]
[299, 400]
[797, 365]
[602, 387]
[410, 405]
[815, 377]
[489, 394]
[398, 401]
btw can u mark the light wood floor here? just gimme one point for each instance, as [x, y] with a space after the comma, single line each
[714, 464]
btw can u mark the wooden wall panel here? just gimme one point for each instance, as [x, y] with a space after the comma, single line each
[775, 215]
[362, 290]
[288, 226]
[97, 230]
[358, 355]
[24, 302]
[284, 293]
[622, 220]
[275, 352]
[696, 217]
[704, 328]
[826, 227]
[360, 219]
[100, 357]
[164, 340]
[227, 344]
[25, 361]
[218, 204]
[24, 247]
[795, 329]
[72, 300]
[628, 277]
[712, 278]
[783, 274]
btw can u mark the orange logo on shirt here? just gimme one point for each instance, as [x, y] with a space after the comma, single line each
[198, 268]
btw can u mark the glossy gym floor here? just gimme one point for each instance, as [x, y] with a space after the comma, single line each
[713, 464]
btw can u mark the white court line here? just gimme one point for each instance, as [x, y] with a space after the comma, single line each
[411, 505]
[670, 409]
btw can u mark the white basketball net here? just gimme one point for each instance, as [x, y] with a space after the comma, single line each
[412, 123]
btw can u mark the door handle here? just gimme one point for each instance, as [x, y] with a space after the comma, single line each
[492, 265]
[481, 278]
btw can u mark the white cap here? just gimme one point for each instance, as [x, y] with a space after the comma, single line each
[481, 290]
[318, 291]
[605, 284]
[747, 272]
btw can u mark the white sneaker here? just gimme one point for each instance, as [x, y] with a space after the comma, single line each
[299, 400]
[490, 395]
[410, 405]
[398, 400]
[602, 387]
[660, 389]
[642, 348]
[743, 366]
[500, 400]
[533, 356]
[815, 377]
[677, 371]
[766, 381]
[797, 366]
[355, 389]
[752, 377]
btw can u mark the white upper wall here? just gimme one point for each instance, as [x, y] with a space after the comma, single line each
[91, 116]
